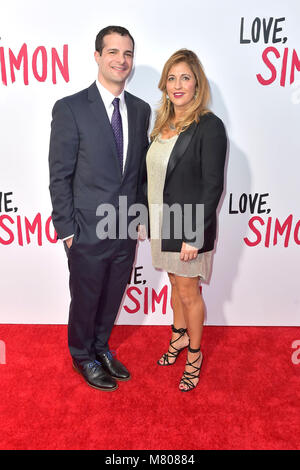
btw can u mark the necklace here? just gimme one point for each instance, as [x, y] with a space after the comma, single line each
[171, 126]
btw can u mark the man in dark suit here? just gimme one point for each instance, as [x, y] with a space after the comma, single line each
[98, 141]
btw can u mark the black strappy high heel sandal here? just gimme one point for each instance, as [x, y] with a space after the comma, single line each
[188, 376]
[175, 353]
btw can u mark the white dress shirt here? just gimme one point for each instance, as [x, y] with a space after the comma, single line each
[107, 98]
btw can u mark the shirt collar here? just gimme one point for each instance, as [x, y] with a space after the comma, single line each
[108, 97]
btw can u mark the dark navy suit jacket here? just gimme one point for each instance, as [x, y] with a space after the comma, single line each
[84, 165]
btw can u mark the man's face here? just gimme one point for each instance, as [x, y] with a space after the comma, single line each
[115, 62]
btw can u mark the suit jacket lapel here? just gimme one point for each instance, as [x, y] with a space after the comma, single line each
[131, 116]
[179, 148]
[99, 111]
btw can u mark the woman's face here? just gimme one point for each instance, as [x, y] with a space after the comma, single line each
[181, 86]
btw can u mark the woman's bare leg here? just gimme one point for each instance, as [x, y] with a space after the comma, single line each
[193, 309]
[178, 322]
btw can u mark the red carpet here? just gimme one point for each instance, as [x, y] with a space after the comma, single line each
[248, 396]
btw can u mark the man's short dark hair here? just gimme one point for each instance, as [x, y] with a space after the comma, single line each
[99, 44]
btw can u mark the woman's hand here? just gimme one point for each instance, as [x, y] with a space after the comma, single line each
[142, 233]
[188, 252]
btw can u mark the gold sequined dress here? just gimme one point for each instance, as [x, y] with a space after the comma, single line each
[157, 161]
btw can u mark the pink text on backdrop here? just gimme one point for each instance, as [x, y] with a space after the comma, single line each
[289, 229]
[140, 298]
[37, 62]
[274, 61]
[21, 230]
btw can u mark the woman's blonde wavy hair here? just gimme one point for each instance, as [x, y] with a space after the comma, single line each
[165, 113]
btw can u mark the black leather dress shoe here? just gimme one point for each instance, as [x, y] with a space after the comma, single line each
[95, 376]
[113, 366]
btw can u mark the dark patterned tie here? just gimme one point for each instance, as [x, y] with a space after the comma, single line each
[116, 123]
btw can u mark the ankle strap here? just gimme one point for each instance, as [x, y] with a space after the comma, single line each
[180, 330]
[193, 350]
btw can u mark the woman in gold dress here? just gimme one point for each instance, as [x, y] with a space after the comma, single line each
[185, 166]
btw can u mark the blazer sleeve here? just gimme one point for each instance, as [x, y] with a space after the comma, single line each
[142, 180]
[213, 155]
[63, 151]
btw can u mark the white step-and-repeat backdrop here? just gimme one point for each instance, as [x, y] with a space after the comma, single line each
[251, 55]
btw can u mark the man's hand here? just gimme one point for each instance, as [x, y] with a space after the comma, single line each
[188, 252]
[69, 242]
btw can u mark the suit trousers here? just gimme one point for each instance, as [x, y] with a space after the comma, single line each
[99, 273]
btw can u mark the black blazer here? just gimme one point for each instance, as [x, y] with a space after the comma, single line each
[195, 175]
[83, 160]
